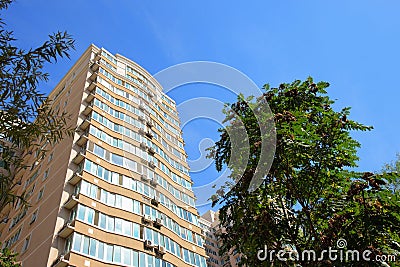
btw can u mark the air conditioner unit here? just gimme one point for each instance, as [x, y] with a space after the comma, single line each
[143, 145]
[144, 177]
[152, 165]
[151, 150]
[147, 218]
[158, 222]
[148, 244]
[149, 134]
[155, 201]
[161, 250]
[153, 182]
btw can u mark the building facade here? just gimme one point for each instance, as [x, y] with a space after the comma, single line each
[209, 222]
[117, 193]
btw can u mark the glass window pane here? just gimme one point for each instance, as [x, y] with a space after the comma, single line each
[92, 248]
[109, 250]
[117, 254]
[81, 212]
[126, 256]
[118, 225]
[136, 207]
[102, 221]
[85, 248]
[90, 214]
[136, 230]
[135, 259]
[110, 224]
[142, 261]
[77, 242]
[100, 251]
[127, 228]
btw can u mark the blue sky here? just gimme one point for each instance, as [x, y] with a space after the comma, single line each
[354, 45]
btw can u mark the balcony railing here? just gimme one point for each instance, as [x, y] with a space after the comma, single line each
[85, 123]
[92, 86]
[75, 178]
[61, 261]
[71, 202]
[93, 76]
[80, 156]
[90, 97]
[95, 66]
[82, 139]
[67, 229]
[88, 108]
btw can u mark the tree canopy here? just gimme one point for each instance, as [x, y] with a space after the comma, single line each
[27, 118]
[310, 199]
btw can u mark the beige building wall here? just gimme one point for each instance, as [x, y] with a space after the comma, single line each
[117, 193]
[210, 225]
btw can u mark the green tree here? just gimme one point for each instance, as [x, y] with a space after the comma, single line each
[393, 167]
[27, 119]
[309, 199]
[8, 258]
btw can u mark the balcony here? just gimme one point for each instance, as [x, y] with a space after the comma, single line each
[82, 139]
[71, 202]
[76, 178]
[88, 108]
[92, 86]
[80, 156]
[95, 66]
[67, 229]
[97, 57]
[93, 76]
[149, 124]
[141, 132]
[90, 97]
[61, 261]
[85, 124]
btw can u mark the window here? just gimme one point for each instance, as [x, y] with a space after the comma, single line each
[26, 244]
[40, 194]
[126, 256]
[117, 254]
[51, 157]
[34, 217]
[118, 225]
[109, 252]
[45, 175]
[77, 242]
[92, 247]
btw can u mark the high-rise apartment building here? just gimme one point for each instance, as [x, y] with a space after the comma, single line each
[209, 222]
[118, 193]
